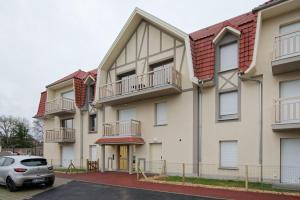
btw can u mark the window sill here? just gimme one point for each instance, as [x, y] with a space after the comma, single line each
[157, 125]
[228, 118]
[229, 168]
[92, 132]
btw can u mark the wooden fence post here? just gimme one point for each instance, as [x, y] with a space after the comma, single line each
[183, 173]
[87, 165]
[246, 177]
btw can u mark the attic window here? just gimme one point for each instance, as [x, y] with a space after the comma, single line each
[91, 92]
[229, 56]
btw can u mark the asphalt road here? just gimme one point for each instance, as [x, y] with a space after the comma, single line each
[77, 190]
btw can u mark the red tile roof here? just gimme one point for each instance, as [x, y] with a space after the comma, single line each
[41, 110]
[203, 50]
[121, 140]
[78, 77]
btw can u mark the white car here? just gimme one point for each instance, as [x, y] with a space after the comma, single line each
[16, 171]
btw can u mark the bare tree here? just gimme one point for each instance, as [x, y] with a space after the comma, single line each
[38, 130]
[7, 124]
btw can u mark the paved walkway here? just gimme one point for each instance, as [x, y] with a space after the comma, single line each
[28, 192]
[126, 180]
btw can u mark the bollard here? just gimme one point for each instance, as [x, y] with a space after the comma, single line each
[183, 173]
[246, 177]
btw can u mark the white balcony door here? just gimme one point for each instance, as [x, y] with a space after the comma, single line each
[128, 83]
[155, 162]
[290, 104]
[289, 44]
[67, 155]
[125, 116]
[290, 161]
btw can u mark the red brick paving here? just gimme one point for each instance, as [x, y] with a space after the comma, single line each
[126, 180]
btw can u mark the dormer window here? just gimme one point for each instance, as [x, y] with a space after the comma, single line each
[91, 92]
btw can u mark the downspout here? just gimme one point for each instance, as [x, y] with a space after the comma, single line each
[260, 156]
[81, 139]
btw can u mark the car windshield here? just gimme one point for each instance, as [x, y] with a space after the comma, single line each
[34, 162]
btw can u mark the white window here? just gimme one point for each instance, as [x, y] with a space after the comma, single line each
[228, 154]
[69, 95]
[228, 103]
[290, 28]
[161, 114]
[229, 56]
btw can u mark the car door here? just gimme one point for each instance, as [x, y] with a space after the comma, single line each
[2, 159]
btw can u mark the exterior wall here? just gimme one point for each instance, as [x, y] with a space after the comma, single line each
[155, 45]
[271, 139]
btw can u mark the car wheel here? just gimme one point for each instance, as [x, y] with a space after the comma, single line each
[11, 185]
[50, 183]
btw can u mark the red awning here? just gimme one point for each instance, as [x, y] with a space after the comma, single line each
[121, 140]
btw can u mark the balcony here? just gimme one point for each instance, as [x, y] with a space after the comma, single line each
[129, 128]
[287, 114]
[155, 83]
[60, 106]
[63, 135]
[286, 53]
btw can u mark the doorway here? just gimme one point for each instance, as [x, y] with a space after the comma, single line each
[123, 157]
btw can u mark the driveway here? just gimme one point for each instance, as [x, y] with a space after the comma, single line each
[77, 190]
[28, 192]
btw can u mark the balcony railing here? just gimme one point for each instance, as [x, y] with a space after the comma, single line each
[122, 128]
[60, 105]
[287, 45]
[61, 135]
[137, 83]
[287, 110]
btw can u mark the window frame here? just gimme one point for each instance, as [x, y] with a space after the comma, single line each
[96, 127]
[155, 114]
[228, 116]
[62, 123]
[62, 94]
[237, 155]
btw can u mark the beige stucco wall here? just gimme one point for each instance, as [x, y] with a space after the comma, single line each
[269, 30]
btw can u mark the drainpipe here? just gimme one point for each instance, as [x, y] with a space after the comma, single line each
[260, 160]
[81, 139]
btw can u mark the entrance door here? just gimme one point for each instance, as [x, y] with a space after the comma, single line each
[123, 161]
[67, 155]
[155, 164]
[93, 152]
[290, 161]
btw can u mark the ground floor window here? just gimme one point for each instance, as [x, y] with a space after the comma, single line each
[228, 154]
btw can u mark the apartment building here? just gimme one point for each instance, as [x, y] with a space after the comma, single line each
[217, 99]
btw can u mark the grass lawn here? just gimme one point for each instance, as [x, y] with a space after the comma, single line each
[224, 183]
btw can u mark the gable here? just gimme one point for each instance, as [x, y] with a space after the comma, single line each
[147, 45]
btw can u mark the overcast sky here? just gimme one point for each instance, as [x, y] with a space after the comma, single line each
[43, 40]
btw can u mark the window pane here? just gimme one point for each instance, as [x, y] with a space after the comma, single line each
[34, 162]
[229, 56]
[93, 122]
[290, 28]
[161, 113]
[229, 103]
[229, 154]
[69, 95]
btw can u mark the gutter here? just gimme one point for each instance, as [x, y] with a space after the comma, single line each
[268, 5]
[81, 139]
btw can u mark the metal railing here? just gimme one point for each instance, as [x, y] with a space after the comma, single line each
[287, 45]
[136, 83]
[122, 128]
[61, 135]
[59, 104]
[287, 110]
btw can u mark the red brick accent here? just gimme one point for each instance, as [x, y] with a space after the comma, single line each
[79, 92]
[203, 49]
[41, 110]
[124, 140]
